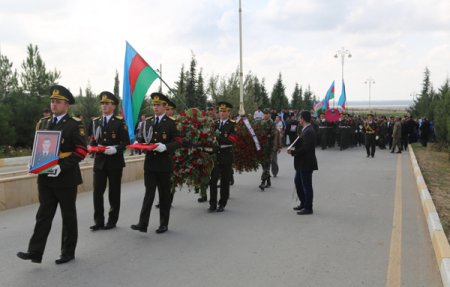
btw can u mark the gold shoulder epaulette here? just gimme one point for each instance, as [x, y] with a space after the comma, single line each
[76, 119]
[173, 118]
[96, 118]
[149, 118]
[233, 121]
[119, 117]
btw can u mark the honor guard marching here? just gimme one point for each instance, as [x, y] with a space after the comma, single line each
[223, 167]
[59, 185]
[370, 130]
[108, 131]
[160, 130]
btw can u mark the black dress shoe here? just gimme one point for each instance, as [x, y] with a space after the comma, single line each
[139, 227]
[162, 229]
[221, 209]
[64, 259]
[35, 258]
[157, 205]
[202, 199]
[298, 208]
[212, 208]
[97, 227]
[262, 186]
[305, 211]
[110, 226]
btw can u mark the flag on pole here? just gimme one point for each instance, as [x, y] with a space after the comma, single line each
[324, 104]
[137, 79]
[343, 98]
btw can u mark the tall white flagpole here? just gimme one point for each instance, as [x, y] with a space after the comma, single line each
[241, 73]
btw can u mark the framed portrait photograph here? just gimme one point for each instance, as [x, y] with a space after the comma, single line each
[45, 152]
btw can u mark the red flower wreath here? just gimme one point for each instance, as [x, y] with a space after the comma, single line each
[194, 161]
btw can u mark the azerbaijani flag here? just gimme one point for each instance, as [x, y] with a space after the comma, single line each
[324, 104]
[343, 98]
[137, 79]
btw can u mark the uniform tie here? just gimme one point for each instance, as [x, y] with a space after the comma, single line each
[221, 125]
[53, 123]
[105, 121]
[157, 121]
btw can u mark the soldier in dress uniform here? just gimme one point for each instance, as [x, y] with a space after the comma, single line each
[270, 131]
[323, 130]
[223, 168]
[370, 130]
[170, 111]
[59, 185]
[160, 130]
[109, 131]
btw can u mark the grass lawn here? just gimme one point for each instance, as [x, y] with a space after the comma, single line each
[435, 167]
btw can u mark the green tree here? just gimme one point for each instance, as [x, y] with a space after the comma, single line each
[278, 99]
[8, 77]
[308, 99]
[424, 101]
[116, 90]
[88, 106]
[35, 78]
[191, 85]
[200, 91]
[296, 101]
[180, 89]
[441, 106]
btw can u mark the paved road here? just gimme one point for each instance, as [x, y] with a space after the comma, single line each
[258, 241]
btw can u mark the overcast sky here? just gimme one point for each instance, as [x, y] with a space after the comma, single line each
[391, 41]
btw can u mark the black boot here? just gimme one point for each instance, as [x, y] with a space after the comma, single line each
[268, 183]
[262, 185]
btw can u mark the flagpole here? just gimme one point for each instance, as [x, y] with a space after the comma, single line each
[241, 73]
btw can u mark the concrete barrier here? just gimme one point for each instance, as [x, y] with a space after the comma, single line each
[22, 160]
[20, 190]
[439, 240]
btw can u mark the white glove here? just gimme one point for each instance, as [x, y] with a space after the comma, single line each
[161, 147]
[54, 171]
[110, 150]
[135, 142]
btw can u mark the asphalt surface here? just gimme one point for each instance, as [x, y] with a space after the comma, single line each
[258, 241]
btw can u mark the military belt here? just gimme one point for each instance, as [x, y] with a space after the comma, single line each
[65, 154]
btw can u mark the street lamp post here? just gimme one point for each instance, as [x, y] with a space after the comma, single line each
[370, 81]
[343, 53]
[241, 73]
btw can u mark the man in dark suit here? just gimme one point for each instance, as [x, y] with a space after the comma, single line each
[160, 130]
[111, 132]
[60, 185]
[223, 166]
[305, 162]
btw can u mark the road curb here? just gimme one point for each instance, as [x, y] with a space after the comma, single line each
[439, 240]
